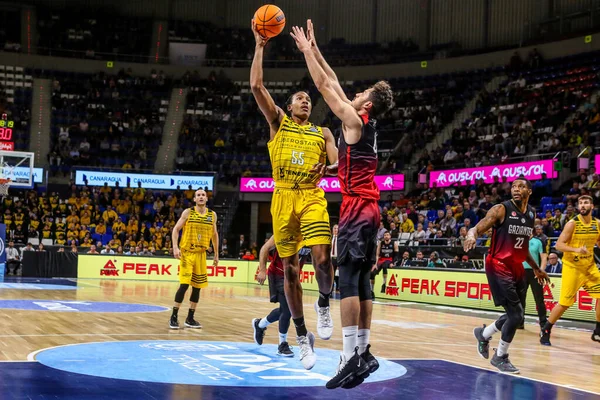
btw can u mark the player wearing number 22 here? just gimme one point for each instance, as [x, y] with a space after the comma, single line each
[298, 206]
[512, 223]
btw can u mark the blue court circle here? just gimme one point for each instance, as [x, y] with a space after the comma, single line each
[201, 363]
[79, 306]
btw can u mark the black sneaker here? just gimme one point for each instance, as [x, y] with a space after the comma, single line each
[545, 337]
[503, 364]
[383, 288]
[259, 333]
[370, 360]
[483, 344]
[596, 336]
[192, 323]
[284, 350]
[173, 324]
[349, 370]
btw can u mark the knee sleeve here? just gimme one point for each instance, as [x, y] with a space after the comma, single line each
[181, 292]
[514, 317]
[349, 276]
[355, 280]
[285, 315]
[364, 284]
[195, 296]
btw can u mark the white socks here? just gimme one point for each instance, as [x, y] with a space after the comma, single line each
[263, 323]
[282, 337]
[502, 348]
[349, 334]
[362, 340]
[490, 330]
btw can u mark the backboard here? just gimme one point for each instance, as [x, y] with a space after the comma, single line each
[18, 167]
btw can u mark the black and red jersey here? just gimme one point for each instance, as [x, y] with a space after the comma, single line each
[357, 163]
[510, 239]
[276, 265]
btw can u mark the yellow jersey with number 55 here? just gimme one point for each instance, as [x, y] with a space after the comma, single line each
[293, 151]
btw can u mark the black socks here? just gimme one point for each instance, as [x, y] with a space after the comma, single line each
[300, 327]
[323, 299]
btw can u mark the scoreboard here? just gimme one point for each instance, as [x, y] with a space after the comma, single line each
[6, 130]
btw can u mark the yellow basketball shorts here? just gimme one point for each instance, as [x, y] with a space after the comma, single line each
[300, 218]
[192, 269]
[574, 279]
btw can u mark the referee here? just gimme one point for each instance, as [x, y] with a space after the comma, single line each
[538, 252]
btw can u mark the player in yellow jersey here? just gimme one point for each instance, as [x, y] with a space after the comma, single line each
[298, 207]
[199, 226]
[577, 242]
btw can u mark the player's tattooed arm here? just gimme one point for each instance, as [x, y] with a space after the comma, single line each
[493, 217]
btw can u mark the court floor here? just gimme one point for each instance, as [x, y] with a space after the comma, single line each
[108, 339]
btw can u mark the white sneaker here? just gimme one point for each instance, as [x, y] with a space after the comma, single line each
[324, 322]
[307, 352]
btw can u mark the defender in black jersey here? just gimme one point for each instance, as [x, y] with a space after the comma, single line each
[512, 224]
[386, 254]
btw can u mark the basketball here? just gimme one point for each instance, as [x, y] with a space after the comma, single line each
[270, 20]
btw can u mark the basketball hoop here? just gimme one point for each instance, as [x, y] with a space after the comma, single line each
[4, 185]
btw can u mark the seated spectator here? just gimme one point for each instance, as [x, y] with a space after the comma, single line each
[435, 261]
[13, 260]
[29, 247]
[448, 224]
[554, 265]
[407, 225]
[107, 250]
[248, 256]
[405, 260]
[41, 247]
[224, 253]
[420, 235]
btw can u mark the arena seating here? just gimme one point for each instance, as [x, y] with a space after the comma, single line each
[101, 120]
[77, 33]
[424, 105]
[531, 107]
[147, 217]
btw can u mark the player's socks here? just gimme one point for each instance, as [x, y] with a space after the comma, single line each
[362, 340]
[545, 334]
[282, 337]
[489, 331]
[190, 316]
[263, 323]
[175, 312]
[300, 327]
[324, 299]
[597, 327]
[502, 348]
[349, 334]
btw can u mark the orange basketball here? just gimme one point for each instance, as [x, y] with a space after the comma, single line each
[270, 20]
